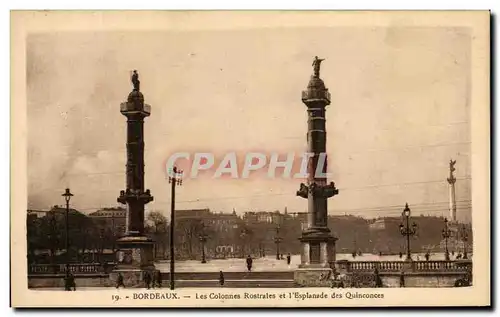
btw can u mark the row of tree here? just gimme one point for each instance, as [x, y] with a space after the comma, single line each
[46, 237]
[93, 240]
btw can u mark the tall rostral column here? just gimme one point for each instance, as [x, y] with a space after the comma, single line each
[135, 250]
[318, 244]
[451, 181]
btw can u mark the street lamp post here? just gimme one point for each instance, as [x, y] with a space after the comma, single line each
[446, 235]
[174, 179]
[277, 240]
[407, 231]
[203, 240]
[465, 238]
[67, 196]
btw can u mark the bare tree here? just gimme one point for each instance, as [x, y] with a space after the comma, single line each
[156, 226]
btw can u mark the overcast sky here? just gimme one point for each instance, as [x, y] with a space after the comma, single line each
[399, 112]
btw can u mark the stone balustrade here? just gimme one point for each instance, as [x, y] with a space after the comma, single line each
[398, 266]
[77, 268]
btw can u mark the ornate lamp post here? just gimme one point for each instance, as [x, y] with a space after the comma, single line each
[243, 236]
[67, 197]
[277, 240]
[407, 231]
[465, 238]
[203, 240]
[446, 235]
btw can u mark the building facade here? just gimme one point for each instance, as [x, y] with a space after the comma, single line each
[114, 219]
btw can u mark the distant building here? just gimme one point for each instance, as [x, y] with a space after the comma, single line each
[379, 224]
[301, 217]
[224, 222]
[59, 211]
[381, 234]
[192, 214]
[221, 230]
[271, 217]
[37, 213]
[113, 218]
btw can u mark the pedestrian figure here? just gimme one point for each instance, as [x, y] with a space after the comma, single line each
[72, 282]
[221, 278]
[288, 259]
[147, 279]
[119, 281]
[153, 279]
[378, 279]
[157, 278]
[427, 256]
[402, 279]
[69, 282]
[400, 255]
[249, 263]
[335, 280]
[66, 282]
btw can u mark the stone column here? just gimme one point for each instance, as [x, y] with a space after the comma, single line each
[135, 249]
[317, 235]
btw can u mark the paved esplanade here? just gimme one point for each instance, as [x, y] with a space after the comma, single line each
[269, 264]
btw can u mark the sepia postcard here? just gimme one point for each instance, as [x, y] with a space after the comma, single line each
[250, 158]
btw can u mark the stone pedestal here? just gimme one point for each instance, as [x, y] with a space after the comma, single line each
[318, 257]
[134, 257]
[313, 277]
[131, 278]
[318, 248]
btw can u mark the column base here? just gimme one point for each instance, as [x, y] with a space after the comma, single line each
[134, 252]
[134, 258]
[318, 256]
[318, 248]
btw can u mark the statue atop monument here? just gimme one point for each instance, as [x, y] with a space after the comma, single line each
[452, 165]
[317, 64]
[135, 80]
